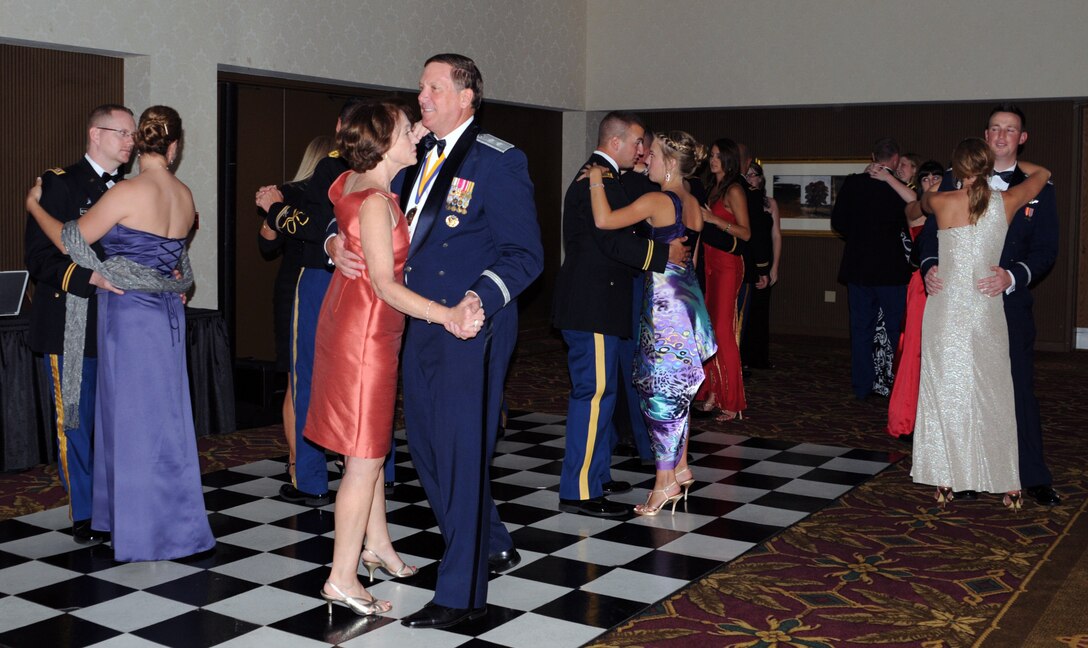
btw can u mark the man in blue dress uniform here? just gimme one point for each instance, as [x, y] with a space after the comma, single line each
[1031, 246]
[68, 194]
[475, 243]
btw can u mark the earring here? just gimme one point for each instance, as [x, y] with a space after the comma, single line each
[668, 176]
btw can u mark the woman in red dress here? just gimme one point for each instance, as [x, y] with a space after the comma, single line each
[903, 403]
[723, 388]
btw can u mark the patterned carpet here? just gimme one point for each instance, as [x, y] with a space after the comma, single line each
[883, 566]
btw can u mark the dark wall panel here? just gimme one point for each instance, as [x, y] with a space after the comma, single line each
[809, 264]
[45, 98]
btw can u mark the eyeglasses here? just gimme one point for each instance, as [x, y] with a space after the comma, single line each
[124, 134]
[753, 174]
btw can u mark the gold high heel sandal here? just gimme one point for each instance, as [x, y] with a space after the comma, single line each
[944, 495]
[356, 605]
[685, 484]
[371, 566]
[1013, 501]
[650, 511]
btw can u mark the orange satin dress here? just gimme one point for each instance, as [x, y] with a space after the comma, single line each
[724, 274]
[358, 343]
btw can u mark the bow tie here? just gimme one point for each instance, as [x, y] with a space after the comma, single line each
[430, 141]
[112, 177]
[1006, 176]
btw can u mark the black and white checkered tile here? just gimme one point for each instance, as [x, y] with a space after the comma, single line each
[579, 575]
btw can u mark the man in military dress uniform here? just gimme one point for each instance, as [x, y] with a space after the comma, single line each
[592, 307]
[475, 243]
[67, 194]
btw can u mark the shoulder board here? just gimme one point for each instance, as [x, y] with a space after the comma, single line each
[499, 145]
[55, 171]
[608, 174]
[334, 153]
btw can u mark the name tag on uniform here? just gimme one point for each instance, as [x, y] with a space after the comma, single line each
[459, 197]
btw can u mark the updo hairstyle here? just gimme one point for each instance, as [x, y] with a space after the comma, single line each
[683, 149]
[974, 159]
[160, 126]
[367, 134]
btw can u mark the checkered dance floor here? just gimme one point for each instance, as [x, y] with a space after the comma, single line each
[579, 576]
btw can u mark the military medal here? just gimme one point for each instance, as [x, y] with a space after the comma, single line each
[452, 221]
[458, 198]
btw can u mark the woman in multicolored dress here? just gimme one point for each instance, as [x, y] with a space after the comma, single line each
[675, 336]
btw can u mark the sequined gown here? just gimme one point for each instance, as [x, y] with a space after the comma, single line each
[147, 489]
[358, 342]
[675, 338]
[965, 432]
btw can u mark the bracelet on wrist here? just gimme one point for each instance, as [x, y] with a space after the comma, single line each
[596, 184]
[427, 313]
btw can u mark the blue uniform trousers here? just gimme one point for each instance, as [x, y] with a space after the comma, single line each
[865, 302]
[628, 356]
[1029, 433]
[311, 466]
[452, 410]
[75, 456]
[593, 362]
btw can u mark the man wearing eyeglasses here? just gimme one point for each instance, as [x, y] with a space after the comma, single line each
[68, 194]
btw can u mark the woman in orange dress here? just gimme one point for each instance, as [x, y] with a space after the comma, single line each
[358, 340]
[724, 271]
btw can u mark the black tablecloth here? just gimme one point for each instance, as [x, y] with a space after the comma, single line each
[26, 434]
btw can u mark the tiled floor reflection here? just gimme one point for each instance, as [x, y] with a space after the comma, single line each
[579, 576]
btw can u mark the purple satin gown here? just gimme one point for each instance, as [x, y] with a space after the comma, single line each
[147, 489]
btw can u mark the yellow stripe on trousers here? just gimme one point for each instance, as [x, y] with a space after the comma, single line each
[62, 438]
[594, 415]
[294, 358]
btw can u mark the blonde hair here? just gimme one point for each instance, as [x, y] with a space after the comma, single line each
[682, 147]
[973, 158]
[318, 148]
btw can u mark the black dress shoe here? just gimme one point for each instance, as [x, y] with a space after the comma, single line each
[439, 616]
[615, 487]
[502, 561]
[1045, 495]
[965, 495]
[289, 493]
[596, 507]
[84, 534]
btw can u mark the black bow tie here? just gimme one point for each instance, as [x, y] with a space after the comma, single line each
[112, 177]
[430, 141]
[1006, 176]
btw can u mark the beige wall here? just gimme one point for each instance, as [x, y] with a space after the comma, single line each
[721, 53]
[530, 52]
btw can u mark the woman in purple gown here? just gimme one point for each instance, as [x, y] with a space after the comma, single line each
[147, 489]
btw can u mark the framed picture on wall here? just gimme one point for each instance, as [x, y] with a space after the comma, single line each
[805, 190]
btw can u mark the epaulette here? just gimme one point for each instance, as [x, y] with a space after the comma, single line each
[55, 171]
[499, 145]
[334, 153]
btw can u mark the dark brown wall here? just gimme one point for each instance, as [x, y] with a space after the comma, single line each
[45, 96]
[278, 118]
[809, 264]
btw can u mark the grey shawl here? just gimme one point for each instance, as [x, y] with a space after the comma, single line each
[122, 273]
